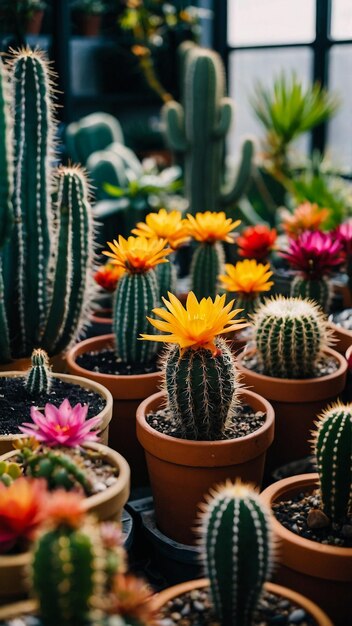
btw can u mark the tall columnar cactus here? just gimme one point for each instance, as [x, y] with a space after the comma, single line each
[207, 263]
[39, 376]
[166, 275]
[290, 334]
[333, 449]
[198, 130]
[47, 264]
[237, 544]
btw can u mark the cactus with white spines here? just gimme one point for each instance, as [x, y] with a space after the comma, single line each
[49, 254]
[333, 450]
[319, 290]
[237, 547]
[38, 378]
[290, 335]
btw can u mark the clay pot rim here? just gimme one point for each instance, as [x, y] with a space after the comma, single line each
[348, 352]
[116, 459]
[85, 346]
[277, 491]
[97, 319]
[15, 560]
[105, 414]
[339, 329]
[26, 607]
[141, 412]
[310, 607]
[293, 381]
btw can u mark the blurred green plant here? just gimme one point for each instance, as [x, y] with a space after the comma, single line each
[91, 7]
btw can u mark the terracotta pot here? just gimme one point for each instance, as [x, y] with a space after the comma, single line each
[58, 364]
[296, 404]
[34, 24]
[127, 392]
[89, 24]
[323, 572]
[106, 505]
[105, 415]
[342, 337]
[181, 472]
[286, 594]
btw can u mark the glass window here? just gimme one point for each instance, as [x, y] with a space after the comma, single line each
[245, 69]
[340, 128]
[341, 19]
[255, 22]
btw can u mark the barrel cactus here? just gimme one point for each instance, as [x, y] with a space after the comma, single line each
[46, 223]
[201, 379]
[237, 548]
[290, 334]
[137, 292]
[38, 378]
[333, 445]
[197, 130]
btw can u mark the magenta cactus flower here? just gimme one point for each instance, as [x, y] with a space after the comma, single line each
[344, 235]
[314, 254]
[64, 426]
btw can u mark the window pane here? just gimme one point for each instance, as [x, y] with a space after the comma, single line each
[341, 20]
[245, 69]
[254, 22]
[340, 128]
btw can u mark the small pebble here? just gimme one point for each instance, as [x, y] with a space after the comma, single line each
[317, 519]
[296, 616]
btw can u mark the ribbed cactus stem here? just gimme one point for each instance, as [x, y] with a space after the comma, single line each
[290, 334]
[207, 263]
[318, 290]
[201, 389]
[135, 296]
[333, 449]
[166, 275]
[247, 302]
[237, 543]
[38, 379]
[6, 158]
[68, 570]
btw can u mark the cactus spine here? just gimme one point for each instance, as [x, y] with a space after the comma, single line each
[34, 256]
[207, 263]
[198, 129]
[290, 334]
[39, 376]
[201, 389]
[333, 449]
[136, 294]
[237, 544]
[318, 290]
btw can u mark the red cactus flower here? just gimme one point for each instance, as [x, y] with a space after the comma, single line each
[314, 254]
[22, 509]
[256, 242]
[108, 276]
[65, 425]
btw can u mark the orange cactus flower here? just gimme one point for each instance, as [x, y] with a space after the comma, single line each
[22, 510]
[306, 216]
[65, 508]
[132, 599]
[108, 276]
[197, 324]
[167, 225]
[137, 254]
[247, 277]
[256, 242]
[210, 226]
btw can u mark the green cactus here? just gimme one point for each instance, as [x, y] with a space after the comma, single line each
[202, 390]
[249, 303]
[135, 296]
[333, 445]
[90, 134]
[198, 130]
[9, 472]
[237, 544]
[290, 334]
[48, 262]
[166, 275]
[58, 469]
[319, 290]
[208, 262]
[6, 158]
[39, 376]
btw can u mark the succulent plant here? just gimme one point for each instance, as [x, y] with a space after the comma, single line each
[47, 245]
[248, 280]
[136, 293]
[200, 374]
[38, 378]
[333, 445]
[9, 472]
[290, 335]
[209, 229]
[237, 547]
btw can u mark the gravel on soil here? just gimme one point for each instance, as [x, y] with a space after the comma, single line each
[105, 362]
[343, 319]
[244, 422]
[324, 366]
[15, 402]
[303, 516]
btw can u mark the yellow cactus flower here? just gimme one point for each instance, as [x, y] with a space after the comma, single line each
[210, 226]
[306, 216]
[247, 277]
[197, 324]
[167, 225]
[137, 254]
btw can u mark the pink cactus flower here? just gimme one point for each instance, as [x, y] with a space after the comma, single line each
[64, 426]
[344, 235]
[314, 254]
